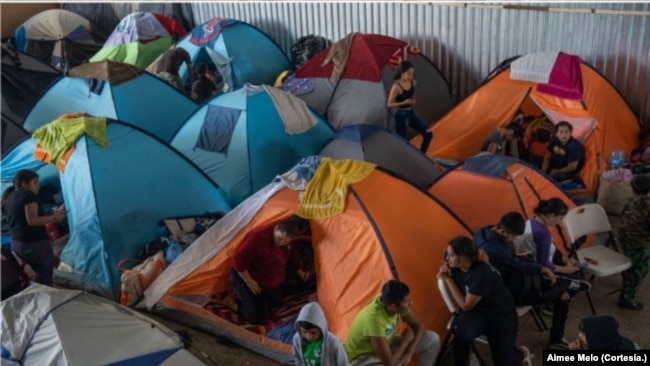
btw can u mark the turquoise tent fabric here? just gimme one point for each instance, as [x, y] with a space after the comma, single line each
[144, 101]
[241, 52]
[258, 148]
[116, 197]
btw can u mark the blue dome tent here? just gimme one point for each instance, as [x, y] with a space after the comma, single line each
[116, 196]
[114, 90]
[242, 142]
[241, 52]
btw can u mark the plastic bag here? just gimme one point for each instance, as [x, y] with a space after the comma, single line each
[614, 189]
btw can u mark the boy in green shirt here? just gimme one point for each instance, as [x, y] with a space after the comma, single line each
[372, 338]
[313, 344]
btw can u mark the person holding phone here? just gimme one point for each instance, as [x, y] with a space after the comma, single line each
[27, 222]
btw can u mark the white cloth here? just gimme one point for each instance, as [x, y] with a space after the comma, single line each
[534, 67]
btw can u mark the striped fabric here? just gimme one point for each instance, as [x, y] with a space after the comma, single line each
[401, 54]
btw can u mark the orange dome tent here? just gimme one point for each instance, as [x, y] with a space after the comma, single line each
[487, 186]
[389, 229]
[479, 191]
[460, 133]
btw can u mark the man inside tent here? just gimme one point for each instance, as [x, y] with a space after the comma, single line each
[259, 267]
[372, 338]
[170, 63]
[496, 141]
[565, 155]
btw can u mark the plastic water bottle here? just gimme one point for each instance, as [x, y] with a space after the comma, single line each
[617, 159]
[173, 251]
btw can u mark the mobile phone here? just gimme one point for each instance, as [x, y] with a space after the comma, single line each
[583, 265]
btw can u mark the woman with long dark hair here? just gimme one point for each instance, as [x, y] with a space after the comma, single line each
[401, 98]
[27, 223]
[486, 306]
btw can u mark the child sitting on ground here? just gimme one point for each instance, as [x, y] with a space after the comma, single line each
[601, 333]
[564, 155]
[313, 344]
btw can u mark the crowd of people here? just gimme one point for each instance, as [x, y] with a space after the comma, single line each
[485, 276]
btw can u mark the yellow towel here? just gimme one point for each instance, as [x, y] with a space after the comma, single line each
[327, 190]
[57, 136]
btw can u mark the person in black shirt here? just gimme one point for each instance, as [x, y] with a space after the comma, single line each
[27, 225]
[401, 97]
[486, 306]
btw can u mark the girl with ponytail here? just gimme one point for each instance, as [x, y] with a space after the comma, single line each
[485, 303]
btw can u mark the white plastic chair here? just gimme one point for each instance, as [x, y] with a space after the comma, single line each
[451, 325]
[591, 219]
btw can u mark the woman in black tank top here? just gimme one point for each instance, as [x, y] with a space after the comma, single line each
[401, 97]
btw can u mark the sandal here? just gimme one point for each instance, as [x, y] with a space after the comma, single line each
[525, 352]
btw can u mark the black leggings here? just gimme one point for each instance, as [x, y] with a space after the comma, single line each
[499, 327]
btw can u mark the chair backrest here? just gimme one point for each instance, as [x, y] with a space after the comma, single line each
[586, 219]
[446, 296]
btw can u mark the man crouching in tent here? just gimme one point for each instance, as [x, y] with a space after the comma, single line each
[259, 267]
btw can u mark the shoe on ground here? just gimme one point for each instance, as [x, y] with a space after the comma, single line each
[635, 305]
[526, 355]
[579, 285]
[559, 344]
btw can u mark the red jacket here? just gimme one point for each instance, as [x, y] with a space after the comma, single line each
[265, 262]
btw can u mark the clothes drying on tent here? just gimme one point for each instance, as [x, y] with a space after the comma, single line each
[114, 90]
[240, 52]
[23, 79]
[389, 151]
[241, 140]
[58, 37]
[458, 135]
[129, 187]
[140, 38]
[363, 67]
[56, 139]
[355, 253]
[69, 327]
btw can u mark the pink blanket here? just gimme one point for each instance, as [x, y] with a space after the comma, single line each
[565, 80]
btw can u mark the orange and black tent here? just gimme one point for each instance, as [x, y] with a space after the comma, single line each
[599, 115]
[388, 229]
[487, 186]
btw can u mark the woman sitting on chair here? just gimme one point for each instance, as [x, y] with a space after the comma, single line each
[486, 306]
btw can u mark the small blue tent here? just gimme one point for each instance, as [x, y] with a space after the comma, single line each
[241, 141]
[114, 90]
[116, 196]
[240, 52]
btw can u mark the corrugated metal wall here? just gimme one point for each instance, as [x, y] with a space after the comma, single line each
[468, 40]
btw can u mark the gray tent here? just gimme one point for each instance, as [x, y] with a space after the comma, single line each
[359, 95]
[388, 150]
[45, 326]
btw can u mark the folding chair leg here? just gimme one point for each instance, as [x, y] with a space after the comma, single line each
[539, 320]
[478, 355]
[591, 304]
[444, 348]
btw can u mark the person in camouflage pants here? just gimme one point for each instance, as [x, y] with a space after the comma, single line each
[634, 235]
